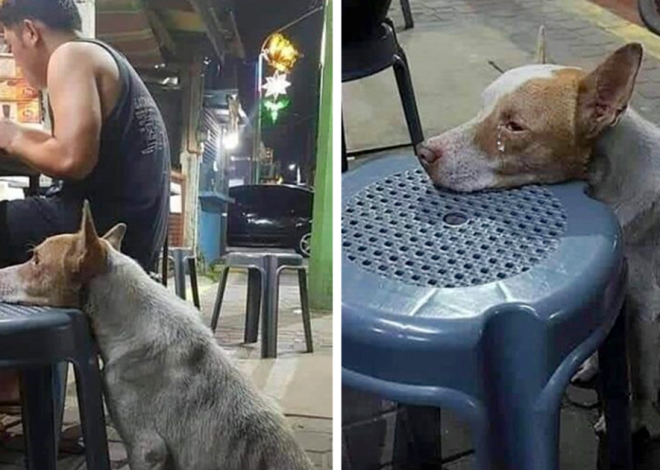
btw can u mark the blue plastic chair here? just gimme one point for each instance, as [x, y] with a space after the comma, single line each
[36, 341]
[485, 304]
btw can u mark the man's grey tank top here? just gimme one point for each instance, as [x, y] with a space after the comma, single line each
[131, 181]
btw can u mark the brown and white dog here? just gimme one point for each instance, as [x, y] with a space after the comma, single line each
[175, 397]
[547, 124]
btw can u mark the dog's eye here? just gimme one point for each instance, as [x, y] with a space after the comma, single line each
[513, 126]
[35, 258]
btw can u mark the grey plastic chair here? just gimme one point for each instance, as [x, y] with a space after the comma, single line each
[485, 304]
[35, 341]
[264, 271]
[184, 259]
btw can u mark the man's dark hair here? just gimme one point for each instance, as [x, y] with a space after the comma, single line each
[61, 15]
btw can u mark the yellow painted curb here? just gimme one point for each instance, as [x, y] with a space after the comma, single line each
[608, 21]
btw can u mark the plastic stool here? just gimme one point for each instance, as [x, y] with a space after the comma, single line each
[483, 303]
[34, 340]
[181, 257]
[369, 56]
[263, 291]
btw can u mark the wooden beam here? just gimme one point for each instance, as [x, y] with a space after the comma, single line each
[160, 31]
[220, 27]
[183, 5]
[178, 20]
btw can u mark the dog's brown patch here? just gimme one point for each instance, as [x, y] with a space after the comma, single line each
[546, 108]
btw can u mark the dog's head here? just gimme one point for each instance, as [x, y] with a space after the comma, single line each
[538, 124]
[61, 266]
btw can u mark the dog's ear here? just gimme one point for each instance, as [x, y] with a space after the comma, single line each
[604, 94]
[541, 52]
[90, 257]
[116, 235]
[87, 227]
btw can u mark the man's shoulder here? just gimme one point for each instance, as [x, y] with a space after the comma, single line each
[75, 50]
[82, 54]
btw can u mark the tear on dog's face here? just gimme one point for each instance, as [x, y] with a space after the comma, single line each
[61, 266]
[538, 124]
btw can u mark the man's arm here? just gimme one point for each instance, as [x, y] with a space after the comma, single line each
[72, 151]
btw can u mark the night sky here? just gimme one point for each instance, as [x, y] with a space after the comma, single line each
[293, 137]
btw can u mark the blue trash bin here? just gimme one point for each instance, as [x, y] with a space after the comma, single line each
[213, 225]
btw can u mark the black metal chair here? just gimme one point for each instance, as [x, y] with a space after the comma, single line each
[407, 14]
[649, 12]
[366, 56]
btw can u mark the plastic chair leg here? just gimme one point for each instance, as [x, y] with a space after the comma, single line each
[253, 306]
[344, 155]
[407, 14]
[613, 367]
[59, 389]
[222, 285]
[179, 274]
[164, 262]
[192, 271]
[521, 425]
[407, 94]
[270, 300]
[304, 304]
[39, 417]
[418, 437]
[92, 418]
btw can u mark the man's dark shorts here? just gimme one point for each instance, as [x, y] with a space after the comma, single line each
[26, 223]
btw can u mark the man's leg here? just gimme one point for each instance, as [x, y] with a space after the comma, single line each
[9, 386]
[26, 223]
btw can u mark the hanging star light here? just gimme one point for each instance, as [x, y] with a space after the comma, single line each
[276, 85]
[280, 53]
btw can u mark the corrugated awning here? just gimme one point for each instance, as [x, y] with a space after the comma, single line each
[150, 32]
[125, 24]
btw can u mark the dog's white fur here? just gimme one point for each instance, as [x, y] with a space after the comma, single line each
[171, 389]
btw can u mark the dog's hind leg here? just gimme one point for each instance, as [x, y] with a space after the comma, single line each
[644, 368]
[149, 452]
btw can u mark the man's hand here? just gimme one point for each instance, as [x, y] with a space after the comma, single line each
[8, 132]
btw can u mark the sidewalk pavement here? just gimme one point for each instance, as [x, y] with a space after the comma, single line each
[457, 47]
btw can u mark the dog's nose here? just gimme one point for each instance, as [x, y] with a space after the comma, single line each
[428, 155]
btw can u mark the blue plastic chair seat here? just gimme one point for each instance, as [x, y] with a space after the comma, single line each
[35, 340]
[483, 303]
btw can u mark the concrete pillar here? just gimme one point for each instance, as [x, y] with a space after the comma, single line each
[320, 265]
[192, 82]
[87, 10]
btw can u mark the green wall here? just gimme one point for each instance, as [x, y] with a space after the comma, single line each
[320, 264]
